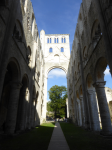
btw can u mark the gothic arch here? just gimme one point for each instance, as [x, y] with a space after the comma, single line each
[53, 67]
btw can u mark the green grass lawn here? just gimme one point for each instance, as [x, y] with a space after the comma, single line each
[37, 139]
[80, 139]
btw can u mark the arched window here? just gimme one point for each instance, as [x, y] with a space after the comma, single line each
[62, 49]
[32, 26]
[50, 50]
[37, 37]
[29, 56]
[54, 40]
[57, 40]
[48, 40]
[64, 40]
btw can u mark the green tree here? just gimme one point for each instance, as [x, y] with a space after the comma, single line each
[49, 108]
[58, 95]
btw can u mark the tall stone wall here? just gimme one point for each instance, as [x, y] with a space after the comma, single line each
[91, 52]
[22, 67]
[56, 49]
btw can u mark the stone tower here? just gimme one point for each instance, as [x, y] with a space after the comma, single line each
[56, 50]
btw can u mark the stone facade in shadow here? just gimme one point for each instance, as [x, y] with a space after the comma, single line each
[90, 55]
[22, 67]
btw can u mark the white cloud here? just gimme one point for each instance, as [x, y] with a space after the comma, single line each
[56, 73]
[107, 72]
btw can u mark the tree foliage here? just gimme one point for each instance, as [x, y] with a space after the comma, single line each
[57, 95]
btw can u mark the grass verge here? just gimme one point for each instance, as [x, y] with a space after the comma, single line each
[80, 139]
[38, 138]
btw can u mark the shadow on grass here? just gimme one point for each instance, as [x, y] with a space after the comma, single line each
[37, 138]
[80, 139]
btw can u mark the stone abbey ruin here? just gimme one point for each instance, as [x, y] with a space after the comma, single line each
[26, 59]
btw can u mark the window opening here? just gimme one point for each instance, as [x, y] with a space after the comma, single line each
[50, 50]
[32, 27]
[54, 40]
[62, 49]
[64, 40]
[48, 40]
[57, 40]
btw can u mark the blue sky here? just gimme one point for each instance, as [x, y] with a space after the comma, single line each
[59, 17]
[108, 78]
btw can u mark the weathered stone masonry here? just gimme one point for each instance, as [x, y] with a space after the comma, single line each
[91, 53]
[22, 67]
[25, 62]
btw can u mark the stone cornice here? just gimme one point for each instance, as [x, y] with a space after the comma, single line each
[55, 34]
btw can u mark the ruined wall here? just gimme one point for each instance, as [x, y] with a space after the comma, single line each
[89, 59]
[21, 65]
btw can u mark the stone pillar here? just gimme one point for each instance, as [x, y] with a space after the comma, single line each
[103, 107]
[85, 99]
[45, 99]
[77, 114]
[33, 113]
[93, 111]
[24, 107]
[82, 111]
[27, 123]
[80, 117]
[13, 107]
[36, 113]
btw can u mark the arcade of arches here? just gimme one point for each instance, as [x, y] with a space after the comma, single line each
[89, 101]
[25, 61]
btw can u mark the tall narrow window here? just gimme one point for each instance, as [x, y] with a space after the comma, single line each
[50, 50]
[62, 49]
[48, 40]
[54, 40]
[57, 40]
[64, 40]
[32, 26]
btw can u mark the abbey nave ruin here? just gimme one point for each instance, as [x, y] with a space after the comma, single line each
[24, 65]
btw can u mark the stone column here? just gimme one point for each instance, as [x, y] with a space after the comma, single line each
[93, 111]
[77, 113]
[103, 107]
[13, 107]
[96, 111]
[80, 117]
[24, 107]
[74, 95]
[27, 124]
[35, 118]
[85, 99]
[33, 112]
[82, 110]
[36, 113]
[45, 99]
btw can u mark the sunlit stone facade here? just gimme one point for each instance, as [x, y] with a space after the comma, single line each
[56, 50]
